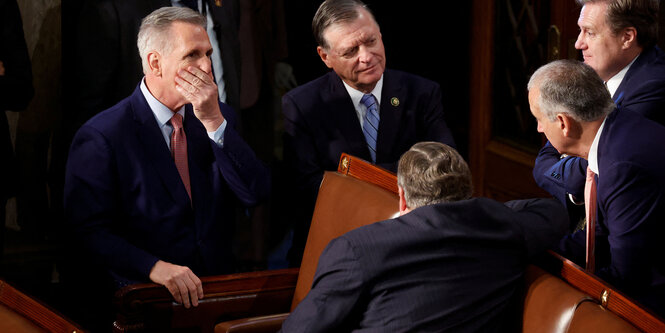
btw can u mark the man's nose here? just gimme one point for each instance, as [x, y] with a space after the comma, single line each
[205, 64]
[364, 54]
[580, 44]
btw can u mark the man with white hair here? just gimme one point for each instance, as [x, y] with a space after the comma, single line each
[152, 182]
[625, 195]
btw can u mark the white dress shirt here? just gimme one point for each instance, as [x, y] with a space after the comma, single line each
[357, 95]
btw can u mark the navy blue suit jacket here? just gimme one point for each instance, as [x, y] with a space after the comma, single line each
[454, 267]
[321, 123]
[631, 208]
[642, 90]
[126, 201]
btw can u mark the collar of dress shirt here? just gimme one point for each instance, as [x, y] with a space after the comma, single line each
[614, 82]
[162, 113]
[357, 95]
[593, 150]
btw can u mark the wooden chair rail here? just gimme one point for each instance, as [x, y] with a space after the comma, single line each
[34, 311]
[358, 168]
[149, 306]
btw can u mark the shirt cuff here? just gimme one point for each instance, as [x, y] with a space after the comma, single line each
[218, 135]
[574, 200]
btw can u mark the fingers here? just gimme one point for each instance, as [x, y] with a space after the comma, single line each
[196, 86]
[185, 287]
[195, 76]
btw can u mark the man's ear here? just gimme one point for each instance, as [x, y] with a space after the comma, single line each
[154, 63]
[628, 37]
[324, 56]
[565, 124]
[403, 208]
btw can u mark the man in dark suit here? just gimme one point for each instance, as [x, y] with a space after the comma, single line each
[448, 263]
[358, 108]
[618, 40]
[152, 182]
[107, 29]
[625, 151]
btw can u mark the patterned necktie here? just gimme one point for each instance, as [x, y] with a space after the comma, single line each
[590, 207]
[179, 151]
[371, 123]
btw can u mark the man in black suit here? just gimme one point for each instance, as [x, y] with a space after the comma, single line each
[329, 115]
[448, 263]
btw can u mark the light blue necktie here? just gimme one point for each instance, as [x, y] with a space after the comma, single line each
[371, 123]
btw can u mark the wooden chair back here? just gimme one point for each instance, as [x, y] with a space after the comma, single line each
[358, 194]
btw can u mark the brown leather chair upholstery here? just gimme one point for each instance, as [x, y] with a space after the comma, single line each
[549, 302]
[23, 314]
[593, 317]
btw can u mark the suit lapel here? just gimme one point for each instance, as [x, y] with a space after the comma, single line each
[390, 115]
[153, 145]
[199, 157]
[342, 112]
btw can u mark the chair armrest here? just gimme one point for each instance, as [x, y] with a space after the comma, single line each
[263, 324]
[150, 307]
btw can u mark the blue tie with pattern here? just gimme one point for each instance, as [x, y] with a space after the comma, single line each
[371, 123]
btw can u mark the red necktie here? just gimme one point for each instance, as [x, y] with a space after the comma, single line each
[179, 151]
[590, 207]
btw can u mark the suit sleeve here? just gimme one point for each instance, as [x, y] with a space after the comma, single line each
[543, 222]
[434, 121]
[560, 176]
[633, 218]
[336, 290]
[245, 174]
[92, 206]
[304, 166]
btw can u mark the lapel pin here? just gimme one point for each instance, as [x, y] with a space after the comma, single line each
[394, 101]
[218, 3]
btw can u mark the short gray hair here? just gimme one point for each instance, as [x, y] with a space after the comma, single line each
[335, 11]
[640, 14]
[155, 29]
[432, 172]
[571, 87]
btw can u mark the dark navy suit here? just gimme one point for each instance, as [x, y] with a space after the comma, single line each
[642, 90]
[126, 201]
[321, 123]
[451, 267]
[631, 208]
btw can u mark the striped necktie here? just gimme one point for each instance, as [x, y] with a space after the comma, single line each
[371, 123]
